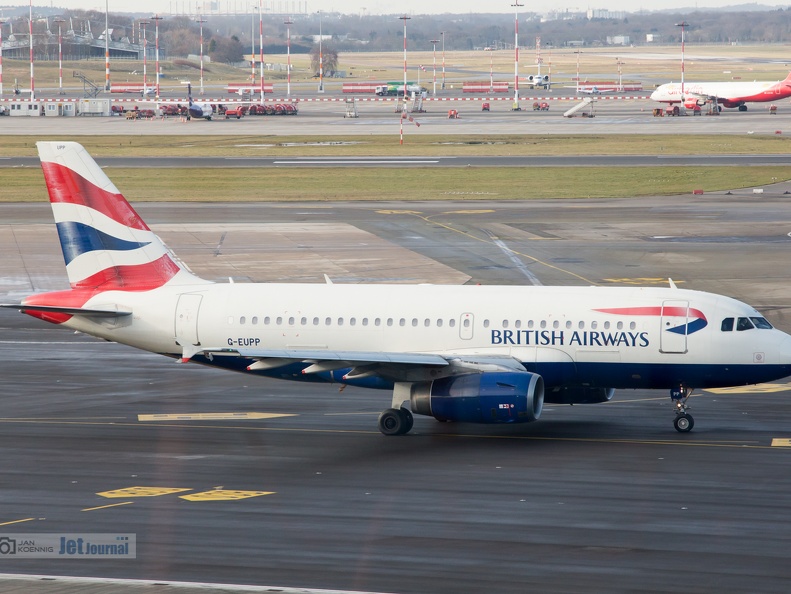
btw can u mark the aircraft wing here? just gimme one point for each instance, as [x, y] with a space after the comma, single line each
[395, 366]
[705, 96]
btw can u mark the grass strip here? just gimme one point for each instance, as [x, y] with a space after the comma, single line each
[429, 145]
[380, 184]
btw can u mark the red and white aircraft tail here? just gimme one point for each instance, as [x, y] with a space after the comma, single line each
[105, 243]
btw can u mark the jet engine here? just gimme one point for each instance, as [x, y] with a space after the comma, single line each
[489, 397]
[579, 395]
[691, 101]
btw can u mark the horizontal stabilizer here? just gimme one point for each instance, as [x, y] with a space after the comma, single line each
[74, 311]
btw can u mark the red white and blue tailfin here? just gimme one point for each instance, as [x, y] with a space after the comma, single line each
[105, 243]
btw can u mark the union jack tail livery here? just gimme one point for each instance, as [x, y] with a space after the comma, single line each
[106, 245]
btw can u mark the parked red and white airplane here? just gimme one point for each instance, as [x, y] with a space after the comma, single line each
[485, 354]
[727, 94]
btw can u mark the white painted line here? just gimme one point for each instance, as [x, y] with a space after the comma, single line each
[166, 583]
[356, 162]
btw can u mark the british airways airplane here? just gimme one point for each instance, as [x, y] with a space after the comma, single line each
[480, 354]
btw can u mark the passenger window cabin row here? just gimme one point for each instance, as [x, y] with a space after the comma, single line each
[427, 323]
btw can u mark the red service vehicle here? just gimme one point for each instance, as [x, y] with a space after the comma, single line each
[237, 111]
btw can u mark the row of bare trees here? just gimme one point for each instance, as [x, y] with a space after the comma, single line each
[229, 38]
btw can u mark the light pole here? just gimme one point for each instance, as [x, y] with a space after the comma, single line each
[516, 6]
[321, 60]
[288, 22]
[620, 76]
[60, 55]
[491, 70]
[106, 45]
[252, 48]
[442, 34]
[261, 44]
[578, 70]
[404, 18]
[434, 42]
[201, 20]
[30, 31]
[682, 24]
[145, 56]
[156, 20]
[2, 22]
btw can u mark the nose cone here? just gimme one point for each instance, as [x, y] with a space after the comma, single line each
[656, 95]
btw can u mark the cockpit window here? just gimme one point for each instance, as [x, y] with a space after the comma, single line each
[727, 325]
[744, 324]
[761, 323]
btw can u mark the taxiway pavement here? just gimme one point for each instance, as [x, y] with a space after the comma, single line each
[599, 498]
[631, 116]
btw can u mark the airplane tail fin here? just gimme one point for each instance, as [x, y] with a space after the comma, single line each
[105, 243]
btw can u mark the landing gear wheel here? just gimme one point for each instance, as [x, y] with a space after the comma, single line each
[408, 419]
[684, 423]
[395, 422]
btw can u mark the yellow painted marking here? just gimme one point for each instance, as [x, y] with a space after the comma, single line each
[781, 443]
[218, 416]
[413, 212]
[756, 389]
[141, 492]
[224, 495]
[641, 281]
[106, 506]
[468, 211]
[16, 521]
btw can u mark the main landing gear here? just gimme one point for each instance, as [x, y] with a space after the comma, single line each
[683, 421]
[396, 421]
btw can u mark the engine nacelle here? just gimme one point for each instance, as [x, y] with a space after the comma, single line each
[489, 397]
[691, 102]
[538, 79]
[579, 395]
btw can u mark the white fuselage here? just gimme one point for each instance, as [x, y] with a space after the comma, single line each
[593, 336]
[727, 93]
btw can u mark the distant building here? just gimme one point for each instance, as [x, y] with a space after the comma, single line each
[653, 38]
[596, 13]
[618, 40]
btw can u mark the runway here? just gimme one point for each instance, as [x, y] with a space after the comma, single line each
[744, 160]
[293, 486]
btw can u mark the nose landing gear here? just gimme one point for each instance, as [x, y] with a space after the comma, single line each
[683, 421]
